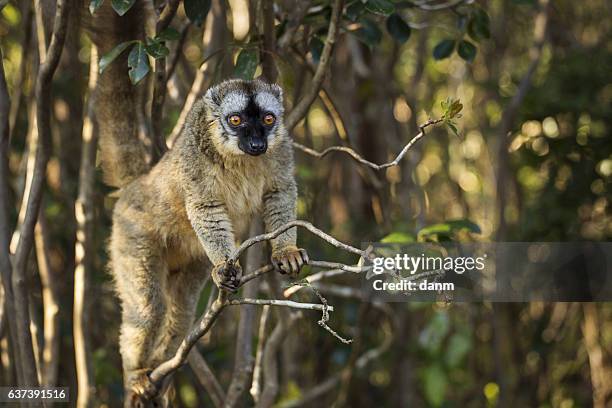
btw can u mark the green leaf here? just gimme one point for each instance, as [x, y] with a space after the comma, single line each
[453, 128]
[398, 238]
[122, 6]
[436, 330]
[246, 64]
[354, 10]
[446, 229]
[169, 34]
[368, 33]
[458, 346]
[196, 10]
[479, 25]
[316, 48]
[435, 383]
[451, 108]
[444, 49]
[138, 63]
[156, 49]
[112, 55]
[398, 28]
[467, 51]
[94, 5]
[382, 7]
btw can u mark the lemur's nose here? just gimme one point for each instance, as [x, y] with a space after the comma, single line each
[257, 145]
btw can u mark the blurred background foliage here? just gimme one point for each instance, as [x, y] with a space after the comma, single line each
[393, 64]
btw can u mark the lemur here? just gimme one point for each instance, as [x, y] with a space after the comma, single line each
[176, 221]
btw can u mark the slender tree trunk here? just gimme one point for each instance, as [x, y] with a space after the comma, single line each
[85, 247]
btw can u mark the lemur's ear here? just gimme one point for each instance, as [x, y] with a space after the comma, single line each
[213, 96]
[277, 91]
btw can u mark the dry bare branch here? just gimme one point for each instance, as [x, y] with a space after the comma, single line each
[84, 247]
[214, 40]
[358, 158]
[206, 377]
[296, 15]
[6, 267]
[270, 362]
[159, 85]
[33, 196]
[261, 340]
[301, 108]
[297, 223]
[49, 362]
[285, 303]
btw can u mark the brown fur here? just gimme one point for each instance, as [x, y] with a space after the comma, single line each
[176, 222]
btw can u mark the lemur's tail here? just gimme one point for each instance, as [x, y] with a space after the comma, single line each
[122, 154]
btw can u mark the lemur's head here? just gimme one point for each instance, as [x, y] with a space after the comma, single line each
[247, 116]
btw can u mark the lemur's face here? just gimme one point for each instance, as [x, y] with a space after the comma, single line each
[248, 115]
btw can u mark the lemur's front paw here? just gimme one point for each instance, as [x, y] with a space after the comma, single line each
[227, 276]
[289, 260]
[140, 391]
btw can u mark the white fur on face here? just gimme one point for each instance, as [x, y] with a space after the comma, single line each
[234, 102]
[269, 103]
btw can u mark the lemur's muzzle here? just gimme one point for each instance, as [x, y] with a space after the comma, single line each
[257, 146]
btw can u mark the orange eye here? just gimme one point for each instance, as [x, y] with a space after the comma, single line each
[234, 120]
[269, 119]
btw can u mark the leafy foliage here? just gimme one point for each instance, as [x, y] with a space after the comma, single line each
[447, 230]
[451, 109]
[466, 50]
[246, 64]
[138, 61]
[122, 6]
[368, 33]
[478, 26]
[95, 5]
[398, 28]
[106, 59]
[196, 10]
[381, 7]
[444, 49]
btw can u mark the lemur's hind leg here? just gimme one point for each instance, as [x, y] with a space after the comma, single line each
[140, 276]
[183, 288]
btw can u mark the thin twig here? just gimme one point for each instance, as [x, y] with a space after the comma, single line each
[297, 223]
[285, 303]
[297, 13]
[178, 51]
[301, 108]
[357, 157]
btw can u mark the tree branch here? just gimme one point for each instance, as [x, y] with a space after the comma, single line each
[6, 267]
[84, 246]
[33, 197]
[297, 223]
[358, 158]
[207, 320]
[206, 377]
[301, 108]
[261, 340]
[286, 303]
